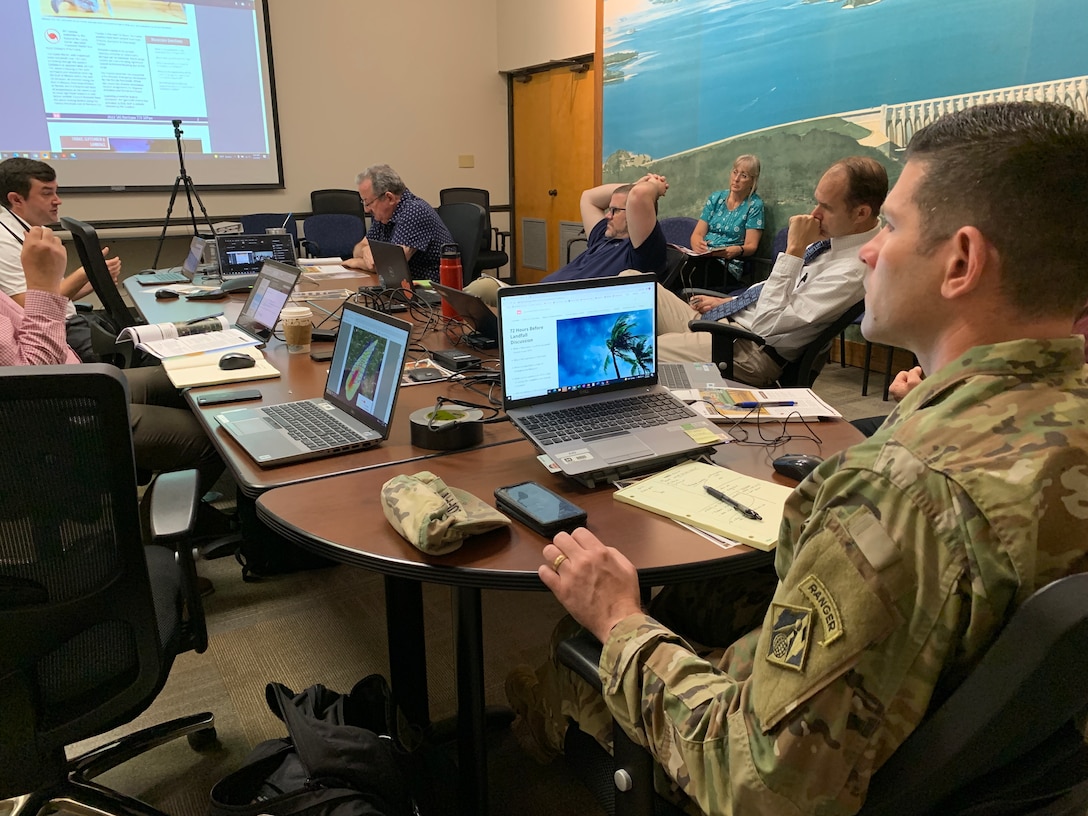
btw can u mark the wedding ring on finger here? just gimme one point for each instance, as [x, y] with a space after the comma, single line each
[559, 559]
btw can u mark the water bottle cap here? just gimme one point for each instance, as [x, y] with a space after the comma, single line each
[451, 250]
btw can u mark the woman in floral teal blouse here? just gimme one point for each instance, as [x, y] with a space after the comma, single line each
[731, 223]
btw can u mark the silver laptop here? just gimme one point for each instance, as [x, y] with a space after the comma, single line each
[579, 378]
[355, 413]
[188, 271]
[241, 254]
[690, 376]
[391, 268]
[474, 311]
[270, 292]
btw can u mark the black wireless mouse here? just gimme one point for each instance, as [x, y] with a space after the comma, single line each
[230, 362]
[166, 294]
[796, 465]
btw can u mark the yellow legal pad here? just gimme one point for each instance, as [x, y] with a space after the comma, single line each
[678, 494]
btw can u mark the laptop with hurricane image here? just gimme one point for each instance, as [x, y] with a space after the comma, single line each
[355, 412]
[579, 379]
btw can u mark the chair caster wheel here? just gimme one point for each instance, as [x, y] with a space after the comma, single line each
[203, 740]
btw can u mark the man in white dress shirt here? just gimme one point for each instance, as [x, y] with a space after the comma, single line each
[815, 280]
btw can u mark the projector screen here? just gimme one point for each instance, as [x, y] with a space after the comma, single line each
[94, 88]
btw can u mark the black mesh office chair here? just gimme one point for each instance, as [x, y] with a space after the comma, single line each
[258, 223]
[90, 618]
[799, 373]
[331, 235]
[492, 253]
[466, 223]
[89, 249]
[344, 202]
[1004, 742]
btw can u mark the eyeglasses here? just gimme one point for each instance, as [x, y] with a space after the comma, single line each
[742, 175]
[613, 210]
[368, 204]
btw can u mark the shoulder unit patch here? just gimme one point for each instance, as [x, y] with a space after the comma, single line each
[790, 634]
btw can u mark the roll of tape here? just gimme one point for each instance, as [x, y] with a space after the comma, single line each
[448, 428]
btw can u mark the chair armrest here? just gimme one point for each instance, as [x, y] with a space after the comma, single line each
[581, 653]
[690, 292]
[311, 248]
[174, 503]
[83, 306]
[731, 331]
[501, 237]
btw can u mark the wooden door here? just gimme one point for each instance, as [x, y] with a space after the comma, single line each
[554, 141]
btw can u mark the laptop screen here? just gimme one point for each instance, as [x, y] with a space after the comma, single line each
[364, 374]
[559, 340]
[192, 260]
[267, 297]
[244, 254]
[390, 264]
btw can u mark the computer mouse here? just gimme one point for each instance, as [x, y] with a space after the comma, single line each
[166, 294]
[230, 362]
[796, 465]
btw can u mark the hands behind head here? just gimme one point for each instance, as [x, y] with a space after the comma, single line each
[44, 260]
[659, 182]
[905, 382]
[596, 584]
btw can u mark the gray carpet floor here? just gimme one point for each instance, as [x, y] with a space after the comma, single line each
[328, 626]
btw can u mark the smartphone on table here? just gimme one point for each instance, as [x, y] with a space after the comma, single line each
[539, 509]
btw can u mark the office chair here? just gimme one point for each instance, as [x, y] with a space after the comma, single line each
[799, 373]
[90, 618]
[89, 249]
[257, 223]
[492, 253]
[466, 222]
[345, 202]
[332, 235]
[1004, 742]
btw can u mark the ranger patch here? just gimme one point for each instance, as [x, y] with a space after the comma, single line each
[790, 633]
[826, 608]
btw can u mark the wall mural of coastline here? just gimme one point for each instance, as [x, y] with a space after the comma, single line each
[691, 84]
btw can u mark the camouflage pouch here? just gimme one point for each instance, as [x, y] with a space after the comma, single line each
[433, 516]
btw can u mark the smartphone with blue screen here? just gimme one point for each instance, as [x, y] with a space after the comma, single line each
[539, 509]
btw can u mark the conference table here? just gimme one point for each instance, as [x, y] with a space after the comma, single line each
[340, 518]
[302, 378]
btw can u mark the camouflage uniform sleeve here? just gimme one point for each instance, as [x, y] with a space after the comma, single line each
[872, 615]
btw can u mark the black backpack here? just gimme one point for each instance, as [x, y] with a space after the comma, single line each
[346, 755]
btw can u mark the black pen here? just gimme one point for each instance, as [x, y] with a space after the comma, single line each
[206, 317]
[736, 505]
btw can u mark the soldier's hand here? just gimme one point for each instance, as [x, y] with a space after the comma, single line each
[905, 382]
[44, 259]
[596, 584]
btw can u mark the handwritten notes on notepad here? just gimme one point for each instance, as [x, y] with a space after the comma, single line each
[679, 493]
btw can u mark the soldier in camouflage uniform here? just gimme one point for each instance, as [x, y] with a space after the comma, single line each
[900, 558]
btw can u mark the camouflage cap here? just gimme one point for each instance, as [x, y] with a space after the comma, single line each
[433, 516]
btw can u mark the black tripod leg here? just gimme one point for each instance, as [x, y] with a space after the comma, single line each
[166, 221]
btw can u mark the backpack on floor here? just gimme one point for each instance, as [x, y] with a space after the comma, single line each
[345, 755]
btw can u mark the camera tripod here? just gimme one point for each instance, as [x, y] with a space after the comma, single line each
[190, 193]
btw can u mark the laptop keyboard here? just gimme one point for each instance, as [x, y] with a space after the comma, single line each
[162, 277]
[605, 419]
[673, 376]
[312, 426]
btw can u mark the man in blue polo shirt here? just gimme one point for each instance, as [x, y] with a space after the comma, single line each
[399, 217]
[621, 222]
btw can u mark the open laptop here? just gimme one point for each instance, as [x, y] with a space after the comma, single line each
[355, 413]
[475, 312]
[391, 268]
[188, 271]
[579, 378]
[269, 295]
[690, 376]
[241, 255]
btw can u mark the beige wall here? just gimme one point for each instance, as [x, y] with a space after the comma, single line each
[532, 32]
[359, 83]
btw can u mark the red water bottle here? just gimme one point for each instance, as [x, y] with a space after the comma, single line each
[449, 274]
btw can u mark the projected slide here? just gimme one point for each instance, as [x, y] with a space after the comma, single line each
[113, 75]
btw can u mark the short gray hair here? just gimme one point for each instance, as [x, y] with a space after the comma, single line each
[383, 179]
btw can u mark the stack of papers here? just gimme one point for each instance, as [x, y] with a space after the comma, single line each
[680, 493]
[757, 404]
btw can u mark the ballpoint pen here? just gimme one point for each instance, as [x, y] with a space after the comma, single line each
[205, 317]
[736, 505]
[775, 404]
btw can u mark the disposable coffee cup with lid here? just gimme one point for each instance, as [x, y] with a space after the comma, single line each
[298, 328]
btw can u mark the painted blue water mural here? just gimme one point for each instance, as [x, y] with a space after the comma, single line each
[703, 70]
